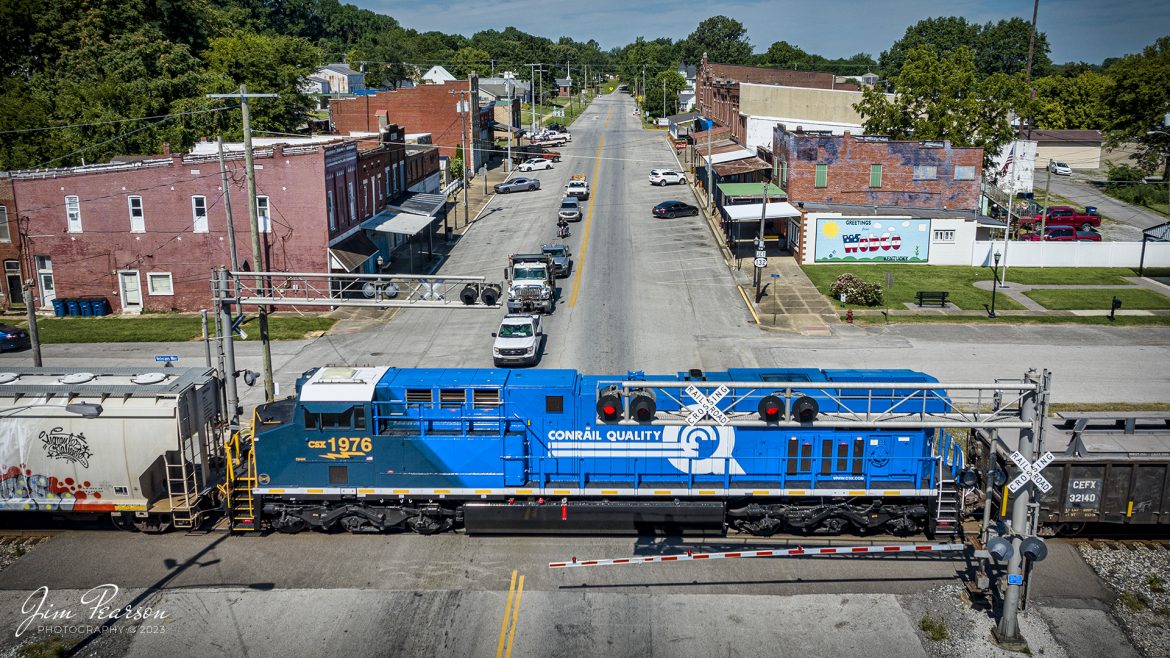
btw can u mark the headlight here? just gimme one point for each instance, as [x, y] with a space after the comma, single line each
[531, 349]
[496, 351]
[545, 294]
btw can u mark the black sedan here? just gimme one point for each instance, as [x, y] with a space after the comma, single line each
[13, 338]
[674, 209]
[518, 185]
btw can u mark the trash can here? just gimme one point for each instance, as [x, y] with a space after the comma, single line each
[101, 307]
[73, 308]
[1090, 210]
[59, 308]
[85, 307]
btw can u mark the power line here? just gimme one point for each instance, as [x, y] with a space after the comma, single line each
[110, 122]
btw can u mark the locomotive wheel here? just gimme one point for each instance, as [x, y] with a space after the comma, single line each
[289, 525]
[355, 524]
[425, 525]
[122, 522]
[1070, 529]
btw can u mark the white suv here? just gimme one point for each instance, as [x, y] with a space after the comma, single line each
[666, 177]
[517, 341]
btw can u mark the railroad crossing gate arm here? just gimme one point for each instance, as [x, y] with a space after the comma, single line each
[309, 289]
[786, 552]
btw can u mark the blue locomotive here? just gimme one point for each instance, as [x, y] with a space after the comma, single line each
[369, 449]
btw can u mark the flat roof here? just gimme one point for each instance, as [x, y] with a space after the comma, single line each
[749, 189]
[752, 211]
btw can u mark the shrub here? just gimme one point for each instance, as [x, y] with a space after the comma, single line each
[857, 291]
[935, 628]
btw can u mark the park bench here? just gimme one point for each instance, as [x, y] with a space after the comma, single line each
[932, 297]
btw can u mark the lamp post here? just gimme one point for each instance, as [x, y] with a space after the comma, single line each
[994, 285]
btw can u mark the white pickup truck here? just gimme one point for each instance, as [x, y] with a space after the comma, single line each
[517, 341]
[578, 186]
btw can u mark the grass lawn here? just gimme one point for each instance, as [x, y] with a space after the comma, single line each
[909, 279]
[165, 328]
[1067, 300]
[1085, 276]
[1119, 321]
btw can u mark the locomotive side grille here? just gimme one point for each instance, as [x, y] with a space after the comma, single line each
[418, 395]
[483, 398]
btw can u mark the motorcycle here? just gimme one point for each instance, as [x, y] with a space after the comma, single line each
[562, 229]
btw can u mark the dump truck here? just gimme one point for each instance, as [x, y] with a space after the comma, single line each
[530, 283]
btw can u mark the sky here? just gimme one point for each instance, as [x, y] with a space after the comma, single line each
[1078, 30]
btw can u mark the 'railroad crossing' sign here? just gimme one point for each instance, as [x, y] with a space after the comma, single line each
[1030, 471]
[706, 405]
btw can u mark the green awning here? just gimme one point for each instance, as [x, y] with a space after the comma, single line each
[748, 189]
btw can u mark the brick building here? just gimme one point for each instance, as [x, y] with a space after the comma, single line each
[12, 281]
[717, 90]
[423, 109]
[145, 235]
[819, 167]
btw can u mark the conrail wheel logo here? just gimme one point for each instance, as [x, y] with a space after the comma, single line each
[704, 450]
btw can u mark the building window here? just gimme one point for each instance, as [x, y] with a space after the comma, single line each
[352, 203]
[137, 218]
[73, 213]
[263, 216]
[378, 186]
[925, 172]
[199, 213]
[947, 235]
[160, 283]
[875, 175]
[964, 173]
[5, 234]
[366, 197]
[387, 173]
[329, 210]
[822, 179]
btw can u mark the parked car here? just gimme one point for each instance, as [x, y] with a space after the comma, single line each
[520, 184]
[674, 209]
[662, 177]
[13, 338]
[1065, 234]
[1059, 168]
[570, 209]
[517, 340]
[1063, 216]
[535, 163]
[562, 261]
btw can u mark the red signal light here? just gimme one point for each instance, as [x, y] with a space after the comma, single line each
[771, 409]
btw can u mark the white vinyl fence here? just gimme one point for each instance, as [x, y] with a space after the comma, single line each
[1068, 254]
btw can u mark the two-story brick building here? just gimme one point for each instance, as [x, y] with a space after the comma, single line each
[424, 109]
[12, 275]
[820, 167]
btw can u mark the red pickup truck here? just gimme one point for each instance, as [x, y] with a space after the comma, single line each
[1065, 234]
[1063, 216]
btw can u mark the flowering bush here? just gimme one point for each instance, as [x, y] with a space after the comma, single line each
[857, 291]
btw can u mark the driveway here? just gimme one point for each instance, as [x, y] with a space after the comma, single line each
[1076, 188]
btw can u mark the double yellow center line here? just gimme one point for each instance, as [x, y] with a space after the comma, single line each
[511, 616]
[576, 288]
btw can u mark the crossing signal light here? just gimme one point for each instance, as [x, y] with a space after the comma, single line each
[805, 409]
[771, 409]
[469, 294]
[643, 406]
[609, 406]
[490, 294]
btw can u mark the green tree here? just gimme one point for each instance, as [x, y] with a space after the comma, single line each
[1003, 48]
[659, 104]
[944, 34]
[940, 97]
[468, 60]
[1139, 102]
[723, 39]
[1071, 103]
[784, 55]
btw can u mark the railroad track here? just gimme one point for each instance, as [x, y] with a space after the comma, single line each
[25, 538]
[1126, 544]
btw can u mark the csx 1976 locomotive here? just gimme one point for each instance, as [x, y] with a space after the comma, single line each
[428, 449]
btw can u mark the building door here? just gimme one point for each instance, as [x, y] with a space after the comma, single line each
[13, 286]
[45, 283]
[131, 291]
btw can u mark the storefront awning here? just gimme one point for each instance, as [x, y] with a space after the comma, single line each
[403, 223]
[752, 211]
[352, 252]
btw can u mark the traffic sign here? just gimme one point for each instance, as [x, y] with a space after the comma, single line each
[761, 261]
[775, 275]
[1015, 579]
[1030, 471]
[760, 253]
[706, 405]
[166, 358]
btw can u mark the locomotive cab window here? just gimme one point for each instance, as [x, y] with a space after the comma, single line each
[354, 418]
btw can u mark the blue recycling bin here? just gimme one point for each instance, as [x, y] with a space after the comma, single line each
[85, 306]
[72, 308]
[100, 306]
[59, 308]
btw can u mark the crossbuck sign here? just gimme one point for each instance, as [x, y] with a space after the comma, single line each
[1030, 471]
[706, 405]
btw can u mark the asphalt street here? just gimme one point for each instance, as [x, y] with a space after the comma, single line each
[644, 294]
[1128, 220]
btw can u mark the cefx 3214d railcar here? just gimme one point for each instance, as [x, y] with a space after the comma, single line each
[555, 451]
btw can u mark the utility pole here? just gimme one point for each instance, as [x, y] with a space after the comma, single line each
[511, 121]
[227, 206]
[33, 336]
[759, 273]
[1028, 70]
[228, 346]
[460, 106]
[532, 95]
[710, 167]
[1047, 184]
[254, 226]
[664, 99]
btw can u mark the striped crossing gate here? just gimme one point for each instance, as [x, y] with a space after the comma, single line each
[784, 552]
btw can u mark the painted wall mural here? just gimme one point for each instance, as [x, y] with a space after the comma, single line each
[872, 240]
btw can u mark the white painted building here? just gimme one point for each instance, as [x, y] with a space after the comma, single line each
[437, 75]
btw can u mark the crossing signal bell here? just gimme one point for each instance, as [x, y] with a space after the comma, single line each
[805, 409]
[642, 406]
[771, 409]
[609, 406]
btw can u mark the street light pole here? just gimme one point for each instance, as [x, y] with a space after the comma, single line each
[994, 285]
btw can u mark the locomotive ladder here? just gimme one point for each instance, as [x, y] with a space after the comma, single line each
[240, 479]
[948, 503]
[182, 487]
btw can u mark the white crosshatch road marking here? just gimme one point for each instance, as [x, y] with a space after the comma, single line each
[1030, 471]
[706, 405]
